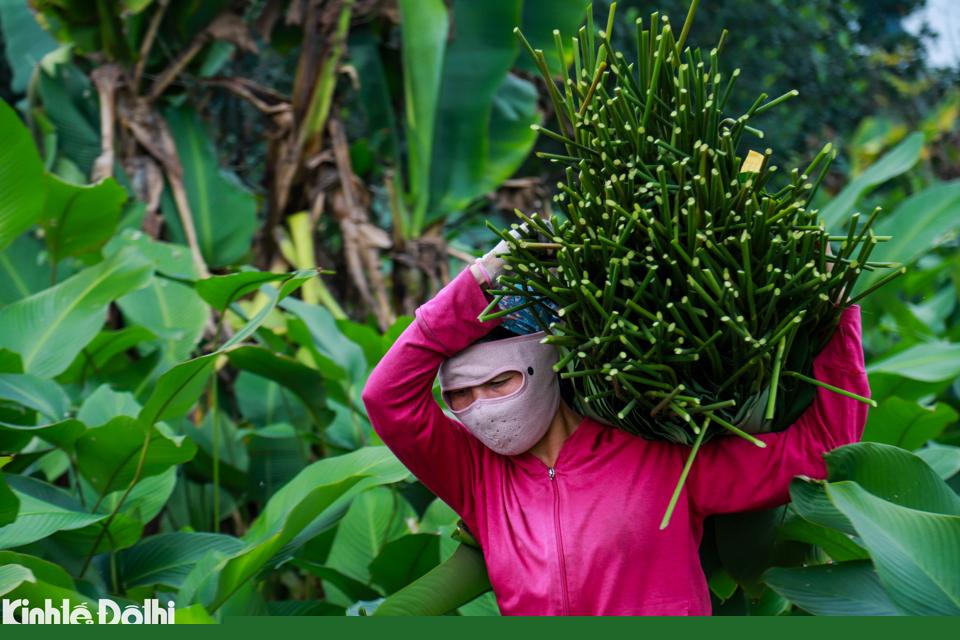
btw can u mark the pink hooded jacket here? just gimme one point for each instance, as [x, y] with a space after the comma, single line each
[583, 538]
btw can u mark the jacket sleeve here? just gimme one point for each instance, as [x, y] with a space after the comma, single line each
[731, 474]
[400, 402]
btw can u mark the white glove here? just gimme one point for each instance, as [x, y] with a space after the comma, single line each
[489, 267]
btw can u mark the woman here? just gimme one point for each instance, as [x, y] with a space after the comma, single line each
[567, 509]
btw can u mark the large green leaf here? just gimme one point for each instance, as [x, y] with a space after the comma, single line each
[366, 337]
[38, 394]
[944, 459]
[78, 219]
[836, 544]
[404, 560]
[224, 211]
[277, 452]
[263, 402]
[245, 565]
[144, 502]
[9, 502]
[483, 605]
[288, 284]
[423, 25]
[451, 584]
[109, 456]
[927, 362]
[105, 404]
[39, 518]
[22, 270]
[540, 18]
[811, 501]
[478, 56]
[39, 591]
[12, 576]
[916, 553]
[177, 390]
[96, 357]
[375, 518]
[170, 259]
[221, 291]
[24, 40]
[227, 443]
[888, 472]
[66, 93]
[845, 589]
[328, 339]
[907, 424]
[62, 433]
[895, 162]
[171, 310]
[354, 589]
[52, 581]
[334, 372]
[43, 570]
[47, 510]
[892, 474]
[50, 404]
[124, 531]
[305, 382]
[513, 112]
[49, 328]
[166, 559]
[917, 225]
[377, 463]
[191, 506]
[21, 178]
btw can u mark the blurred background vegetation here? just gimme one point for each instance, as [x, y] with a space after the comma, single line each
[372, 138]
[398, 158]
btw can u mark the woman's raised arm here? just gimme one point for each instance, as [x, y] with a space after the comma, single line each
[731, 474]
[400, 402]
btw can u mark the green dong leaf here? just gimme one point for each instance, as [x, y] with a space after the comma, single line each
[49, 328]
[895, 162]
[21, 178]
[453, 583]
[845, 589]
[916, 553]
[108, 456]
[79, 219]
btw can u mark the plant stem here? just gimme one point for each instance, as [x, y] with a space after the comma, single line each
[743, 434]
[113, 514]
[687, 23]
[683, 475]
[775, 380]
[830, 387]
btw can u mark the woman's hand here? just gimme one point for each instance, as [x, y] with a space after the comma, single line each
[488, 268]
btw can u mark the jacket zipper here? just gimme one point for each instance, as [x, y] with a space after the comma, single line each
[560, 556]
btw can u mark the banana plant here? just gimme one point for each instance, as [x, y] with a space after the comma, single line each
[466, 118]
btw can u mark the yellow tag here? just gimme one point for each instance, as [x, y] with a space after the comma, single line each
[752, 163]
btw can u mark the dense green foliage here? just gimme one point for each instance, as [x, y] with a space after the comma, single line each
[180, 410]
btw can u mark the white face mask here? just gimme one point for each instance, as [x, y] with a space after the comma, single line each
[513, 423]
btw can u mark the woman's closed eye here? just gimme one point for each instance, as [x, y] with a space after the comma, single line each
[459, 397]
[503, 384]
